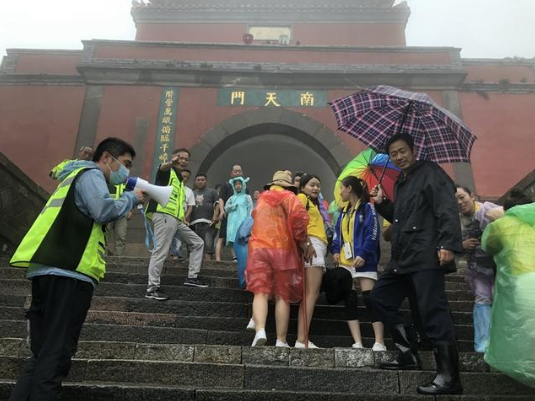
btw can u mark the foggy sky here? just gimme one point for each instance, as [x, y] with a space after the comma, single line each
[482, 28]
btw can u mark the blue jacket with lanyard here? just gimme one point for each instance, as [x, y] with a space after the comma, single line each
[366, 234]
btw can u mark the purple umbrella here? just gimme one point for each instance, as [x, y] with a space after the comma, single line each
[377, 113]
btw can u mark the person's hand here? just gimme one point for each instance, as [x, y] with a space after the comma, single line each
[336, 259]
[377, 194]
[358, 262]
[310, 253]
[130, 214]
[470, 243]
[495, 214]
[140, 197]
[223, 216]
[174, 161]
[445, 257]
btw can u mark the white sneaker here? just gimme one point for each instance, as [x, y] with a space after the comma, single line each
[357, 345]
[260, 338]
[378, 347]
[311, 345]
[251, 326]
[281, 344]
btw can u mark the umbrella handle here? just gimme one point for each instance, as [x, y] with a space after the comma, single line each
[405, 114]
[382, 175]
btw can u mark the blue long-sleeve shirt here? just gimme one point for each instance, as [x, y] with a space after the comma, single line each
[92, 197]
[366, 233]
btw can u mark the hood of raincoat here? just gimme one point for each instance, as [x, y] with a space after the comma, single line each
[481, 213]
[75, 165]
[274, 197]
[525, 213]
[244, 182]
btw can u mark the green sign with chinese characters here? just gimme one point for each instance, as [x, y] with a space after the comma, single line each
[271, 98]
[165, 134]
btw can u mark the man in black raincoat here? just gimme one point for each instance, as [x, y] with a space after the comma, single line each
[426, 233]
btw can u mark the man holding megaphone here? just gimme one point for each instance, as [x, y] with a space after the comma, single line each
[64, 253]
[168, 220]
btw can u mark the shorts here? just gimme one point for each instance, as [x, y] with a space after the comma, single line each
[207, 233]
[321, 250]
[355, 273]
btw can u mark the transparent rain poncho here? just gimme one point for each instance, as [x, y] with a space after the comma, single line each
[274, 264]
[511, 240]
[240, 247]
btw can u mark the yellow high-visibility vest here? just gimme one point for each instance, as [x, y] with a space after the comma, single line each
[63, 237]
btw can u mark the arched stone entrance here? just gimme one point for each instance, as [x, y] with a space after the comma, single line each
[266, 140]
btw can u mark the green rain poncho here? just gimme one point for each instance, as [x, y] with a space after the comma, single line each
[511, 240]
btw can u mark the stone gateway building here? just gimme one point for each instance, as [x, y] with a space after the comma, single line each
[248, 82]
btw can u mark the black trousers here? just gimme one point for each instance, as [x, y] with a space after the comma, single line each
[57, 314]
[429, 290]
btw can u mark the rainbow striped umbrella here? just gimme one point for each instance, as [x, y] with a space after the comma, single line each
[370, 166]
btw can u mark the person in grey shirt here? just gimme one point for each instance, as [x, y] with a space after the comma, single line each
[205, 214]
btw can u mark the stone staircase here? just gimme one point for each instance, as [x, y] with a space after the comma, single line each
[195, 347]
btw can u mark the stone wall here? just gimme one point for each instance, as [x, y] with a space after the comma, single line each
[21, 200]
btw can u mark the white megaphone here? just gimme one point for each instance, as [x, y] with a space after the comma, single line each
[159, 193]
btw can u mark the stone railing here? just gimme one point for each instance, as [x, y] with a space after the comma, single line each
[21, 200]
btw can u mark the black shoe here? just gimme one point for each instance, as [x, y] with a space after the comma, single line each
[406, 342]
[448, 380]
[195, 282]
[158, 295]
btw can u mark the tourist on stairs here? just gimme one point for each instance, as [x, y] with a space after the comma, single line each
[274, 264]
[310, 188]
[238, 207]
[426, 234]
[481, 267]
[356, 248]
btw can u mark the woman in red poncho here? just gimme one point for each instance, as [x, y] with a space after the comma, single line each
[275, 265]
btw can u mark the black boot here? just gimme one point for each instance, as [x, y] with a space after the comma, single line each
[406, 342]
[448, 380]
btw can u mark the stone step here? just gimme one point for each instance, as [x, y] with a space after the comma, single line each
[23, 287]
[328, 358]
[186, 293]
[143, 392]
[461, 310]
[326, 313]
[173, 335]
[268, 378]
[176, 277]
[180, 271]
[318, 327]
[227, 309]
[236, 309]
[209, 268]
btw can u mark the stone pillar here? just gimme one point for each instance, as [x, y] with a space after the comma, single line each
[87, 131]
[463, 171]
